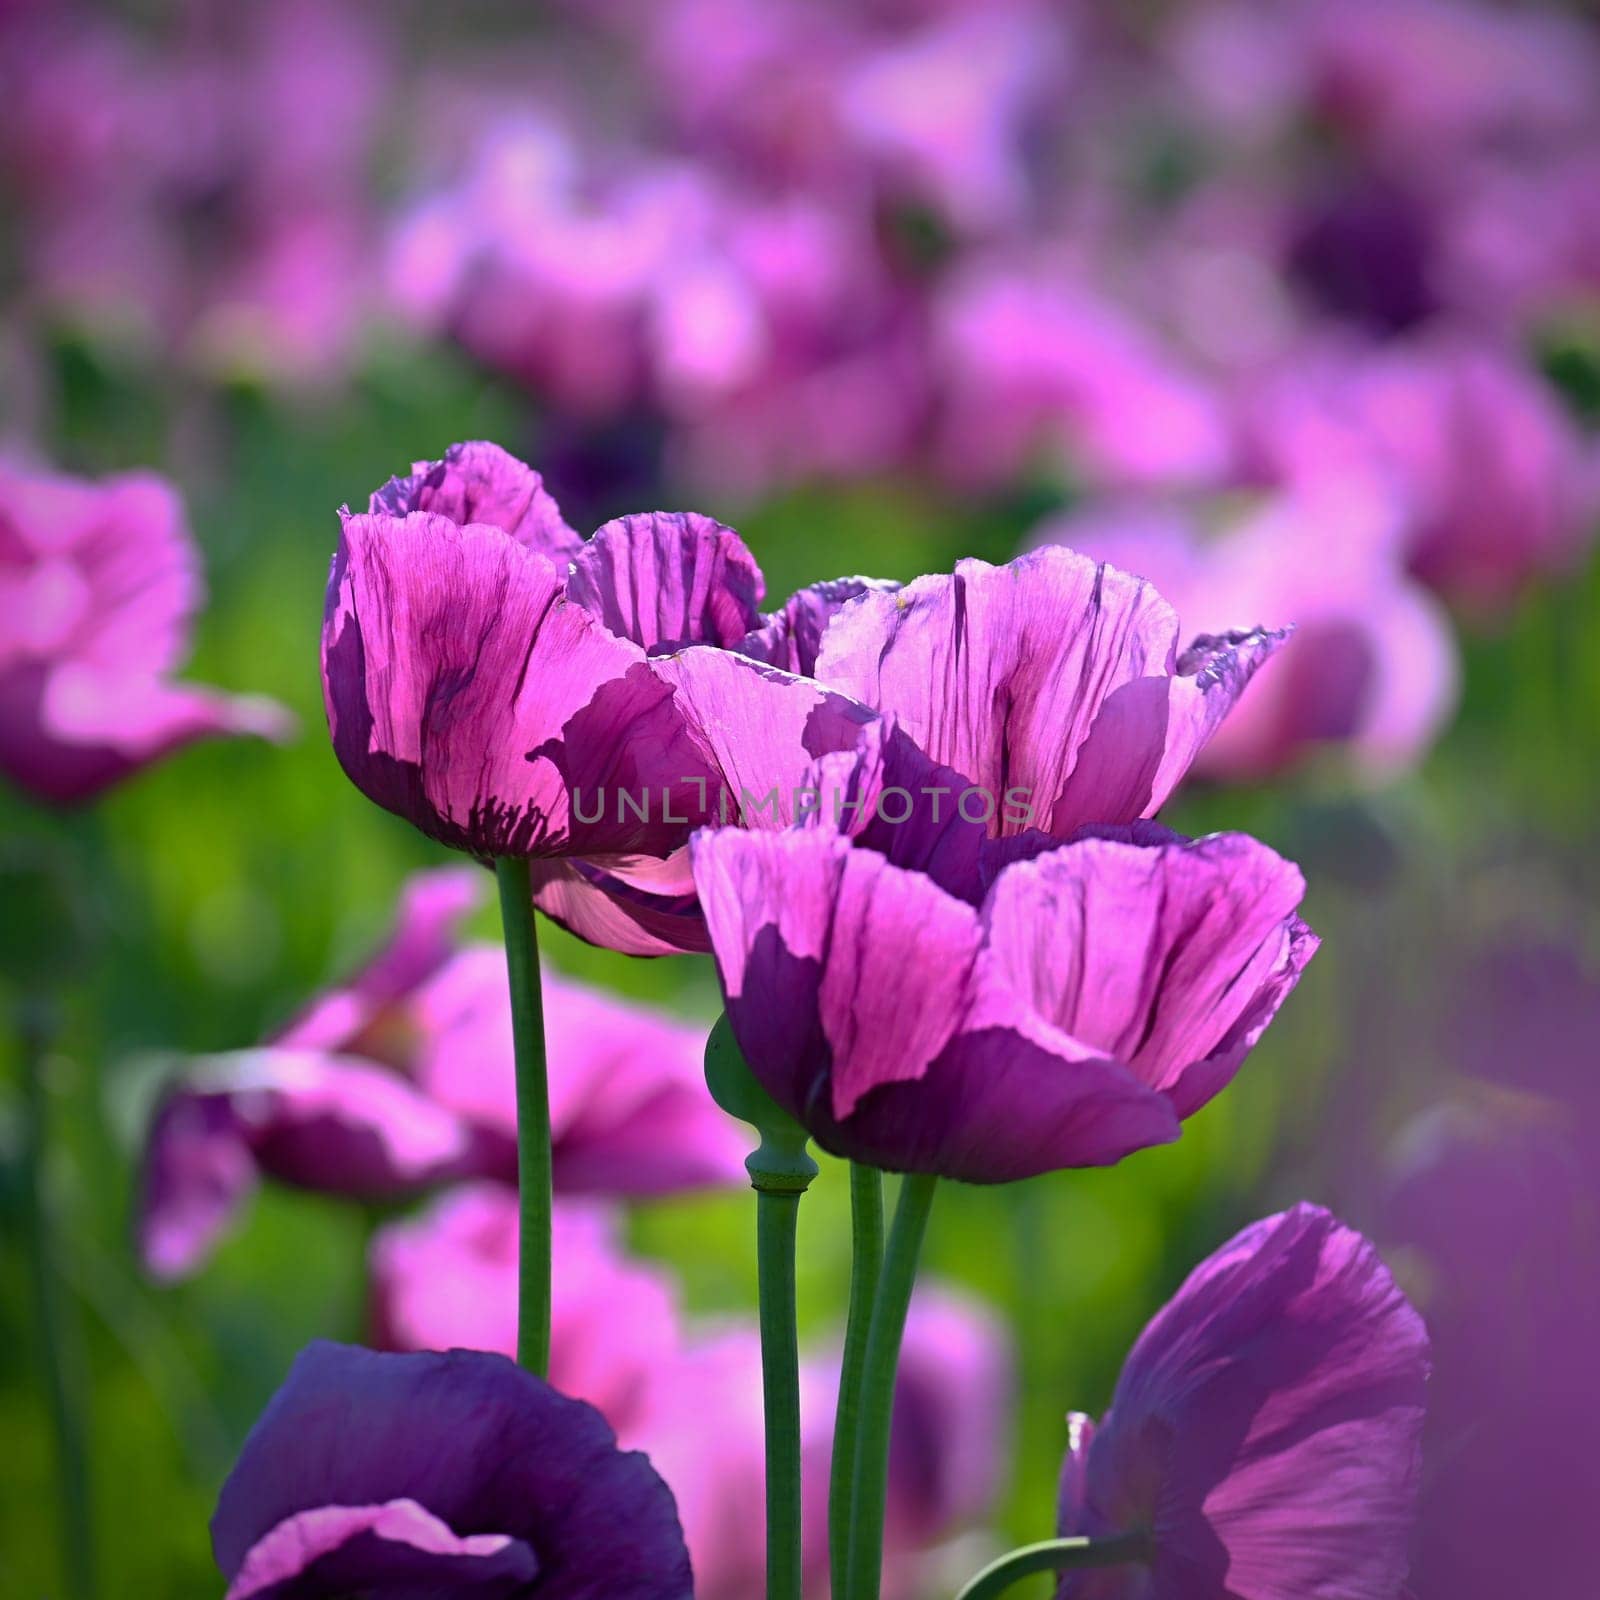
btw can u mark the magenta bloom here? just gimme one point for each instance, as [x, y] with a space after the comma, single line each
[989, 1018]
[1492, 478]
[1371, 670]
[1031, 364]
[99, 583]
[489, 678]
[403, 1079]
[1056, 684]
[447, 1278]
[454, 1474]
[468, 693]
[1265, 1434]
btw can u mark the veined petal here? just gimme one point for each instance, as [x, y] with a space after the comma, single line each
[811, 938]
[466, 694]
[1266, 1429]
[480, 482]
[791, 636]
[665, 579]
[1152, 953]
[762, 731]
[1000, 672]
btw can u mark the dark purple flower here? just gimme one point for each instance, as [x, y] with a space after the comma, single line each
[402, 1079]
[996, 1013]
[99, 583]
[454, 1474]
[1265, 1434]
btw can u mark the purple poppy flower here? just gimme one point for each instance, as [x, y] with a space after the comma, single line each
[591, 768]
[1371, 670]
[910, 1018]
[403, 1079]
[1265, 1434]
[1029, 362]
[452, 1474]
[469, 694]
[99, 583]
[1492, 479]
[1054, 685]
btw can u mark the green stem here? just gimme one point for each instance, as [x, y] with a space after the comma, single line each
[1056, 1555]
[870, 1489]
[777, 1212]
[866, 1261]
[780, 1171]
[44, 1269]
[533, 1113]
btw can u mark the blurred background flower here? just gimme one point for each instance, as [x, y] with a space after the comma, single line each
[1291, 307]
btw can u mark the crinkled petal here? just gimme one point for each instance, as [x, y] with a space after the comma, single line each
[790, 637]
[762, 730]
[812, 940]
[1161, 955]
[466, 694]
[599, 907]
[1002, 1101]
[1267, 1424]
[665, 579]
[1000, 672]
[480, 482]
[1149, 732]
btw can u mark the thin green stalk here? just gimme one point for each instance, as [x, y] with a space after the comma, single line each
[54, 1335]
[1055, 1555]
[780, 1171]
[533, 1113]
[866, 1261]
[777, 1213]
[870, 1488]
